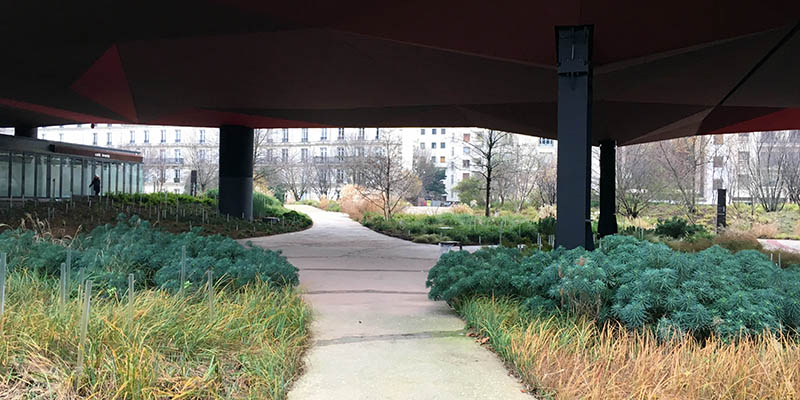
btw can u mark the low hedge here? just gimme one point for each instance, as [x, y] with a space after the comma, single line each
[637, 283]
[110, 252]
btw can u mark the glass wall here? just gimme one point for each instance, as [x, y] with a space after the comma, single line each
[4, 173]
[32, 175]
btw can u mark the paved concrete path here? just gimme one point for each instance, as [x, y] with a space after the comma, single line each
[376, 335]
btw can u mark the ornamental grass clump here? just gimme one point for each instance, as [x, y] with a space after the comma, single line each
[251, 347]
[564, 356]
[638, 284]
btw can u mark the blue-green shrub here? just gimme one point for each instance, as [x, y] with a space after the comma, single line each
[637, 283]
[110, 252]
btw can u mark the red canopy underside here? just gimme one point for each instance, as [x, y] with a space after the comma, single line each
[661, 70]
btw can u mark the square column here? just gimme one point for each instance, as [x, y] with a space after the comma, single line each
[574, 50]
[607, 224]
[236, 171]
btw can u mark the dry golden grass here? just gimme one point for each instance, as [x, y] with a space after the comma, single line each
[764, 230]
[461, 209]
[566, 358]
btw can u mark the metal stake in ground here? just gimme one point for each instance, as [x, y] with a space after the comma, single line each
[210, 294]
[183, 270]
[2, 284]
[87, 295]
[130, 298]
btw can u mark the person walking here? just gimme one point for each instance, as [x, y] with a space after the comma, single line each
[95, 185]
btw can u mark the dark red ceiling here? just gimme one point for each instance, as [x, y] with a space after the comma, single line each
[662, 69]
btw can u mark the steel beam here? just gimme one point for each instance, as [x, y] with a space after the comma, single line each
[574, 51]
[236, 171]
[607, 223]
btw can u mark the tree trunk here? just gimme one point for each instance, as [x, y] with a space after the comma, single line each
[488, 193]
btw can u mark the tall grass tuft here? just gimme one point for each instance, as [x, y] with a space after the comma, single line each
[250, 348]
[563, 357]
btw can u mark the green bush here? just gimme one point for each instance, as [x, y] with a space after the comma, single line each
[164, 198]
[677, 228]
[638, 283]
[110, 252]
[465, 228]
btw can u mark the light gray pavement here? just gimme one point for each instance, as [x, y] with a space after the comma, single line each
[375, 333]
[781, 244]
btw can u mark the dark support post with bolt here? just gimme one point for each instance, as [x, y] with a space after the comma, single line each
[721, 209]
[236, 171]
[607, 224]
[26, 131]
[573, 51]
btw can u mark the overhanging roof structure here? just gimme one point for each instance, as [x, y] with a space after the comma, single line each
[661, 69]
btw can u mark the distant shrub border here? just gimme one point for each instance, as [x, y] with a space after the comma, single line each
[638, 283]
[110, 252]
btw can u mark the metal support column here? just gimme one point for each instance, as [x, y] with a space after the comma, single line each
[236, 171]
[573, 52]
[26, 131]
[607, 223]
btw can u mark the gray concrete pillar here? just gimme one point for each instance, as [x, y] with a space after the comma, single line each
[236, 171]
[574, 50]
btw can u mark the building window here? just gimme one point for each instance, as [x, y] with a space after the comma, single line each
[433, 159]
[442, 131]
[433, 145]
[441, 159]
[441, 145]
[202, 135]
[285, 138]
[133, 137]
[433, 131]
[162, 154]
[466, 137]
[717, 161]
[545, 142]
[719, 139]
[304, 154]
[304, 137]
[340, 154]
[465, 163]
[717, 184]
[422, 145]
[177, 175]
[324, 135]
[203, 154]
[341, 134]
[339, 176]
[177, 135]
[360, 151]
[178, 158]
[744, 159]
[465, 175]
[285, 155]
[422, 131]
[466, 150]
[323, 153]
[377, 134]
[270, 155]
[163, 136]
[108, 138]
[94, 138]
[147, 136]
[360, 133]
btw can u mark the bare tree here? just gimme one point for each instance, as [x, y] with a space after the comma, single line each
[155, 168]
[767, 167]
[523, 170]
[384, 181]
[640, 181]
[296, 176]
[684, 160]
[490, 155]
[263, 140]
[322, 180]
[202, 158]
[546, 181]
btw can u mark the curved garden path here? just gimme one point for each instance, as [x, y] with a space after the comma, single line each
[375, 333]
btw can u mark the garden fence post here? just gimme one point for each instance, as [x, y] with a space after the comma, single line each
[210, 294]
[2, 284]
[779, 259]
[130, 298]
[87, 295]
[183, 270]
[69, 268]
[62, 288]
